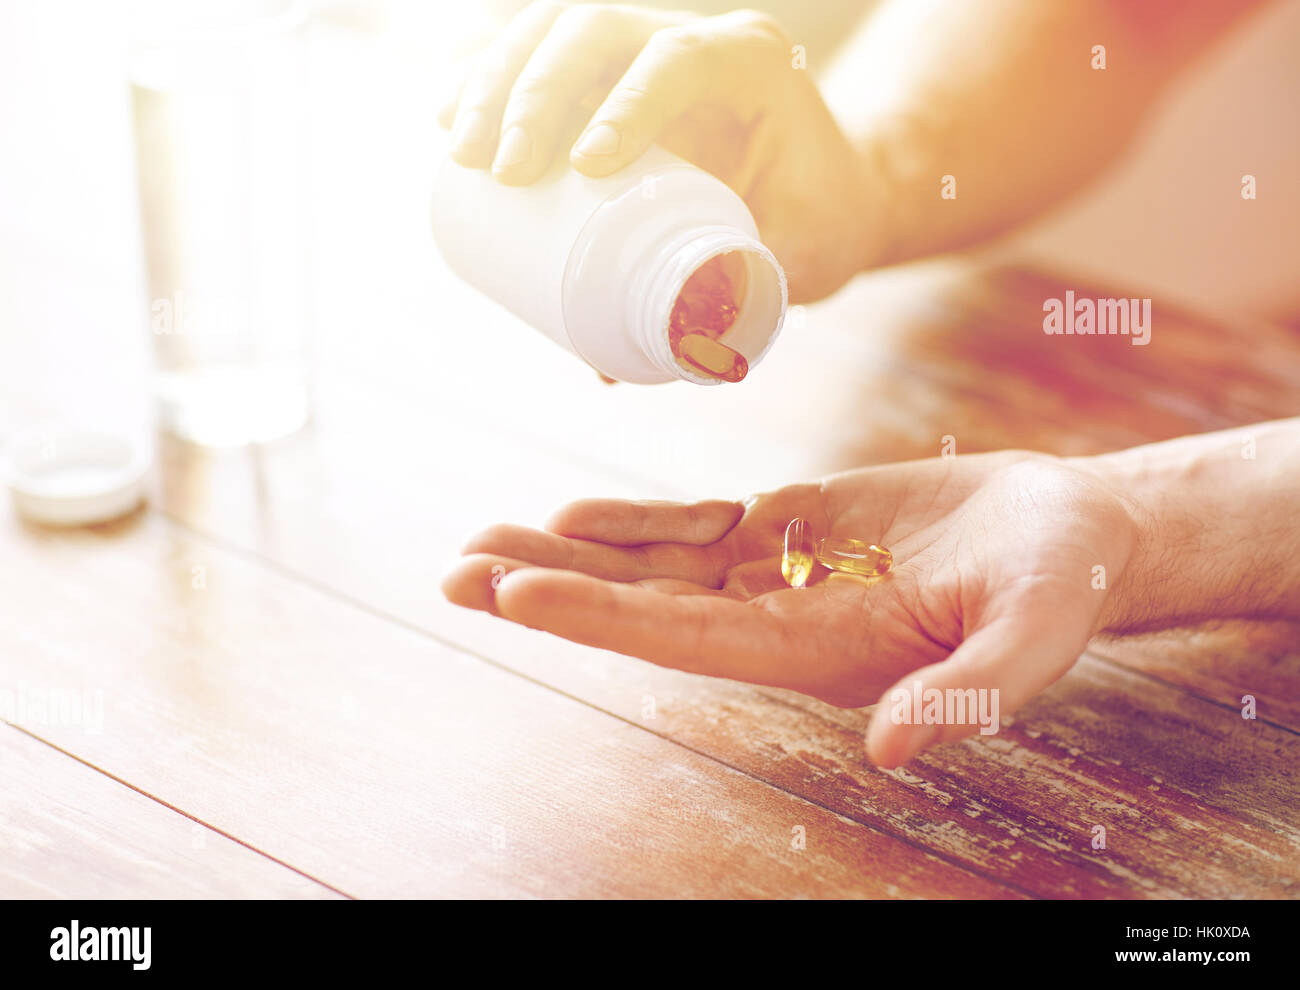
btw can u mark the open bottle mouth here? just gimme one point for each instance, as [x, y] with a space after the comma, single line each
[725, 303]
[700, 324]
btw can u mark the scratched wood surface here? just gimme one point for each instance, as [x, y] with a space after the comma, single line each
[67, 830]
[381, 762]
[336, 728]
[1145, 741]
[318, 701]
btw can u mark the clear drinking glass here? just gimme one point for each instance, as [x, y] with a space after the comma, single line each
[218, 91]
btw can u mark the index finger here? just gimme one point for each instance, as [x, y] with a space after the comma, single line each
[487, 84]
[613, 563]
[680, 66]
[702, 634]
[635, 523]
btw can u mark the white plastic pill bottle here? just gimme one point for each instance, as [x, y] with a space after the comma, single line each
[597, 264]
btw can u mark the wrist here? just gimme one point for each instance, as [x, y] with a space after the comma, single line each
[1156, 587]
[1214, 537]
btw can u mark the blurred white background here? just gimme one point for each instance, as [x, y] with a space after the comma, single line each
[72, 291]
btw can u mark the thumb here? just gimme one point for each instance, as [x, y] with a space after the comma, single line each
[993, 672]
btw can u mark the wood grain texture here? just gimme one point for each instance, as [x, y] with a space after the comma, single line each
[1223, 662]
[68, 831]
[386, 764]
[1032, 836]
[357, 509]
[318, 700]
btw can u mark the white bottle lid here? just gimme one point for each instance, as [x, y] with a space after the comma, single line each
[69, 477]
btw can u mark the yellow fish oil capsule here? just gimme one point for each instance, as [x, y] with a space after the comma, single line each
[799, 554]
[702, 353]
[802, 552]
[841, 553]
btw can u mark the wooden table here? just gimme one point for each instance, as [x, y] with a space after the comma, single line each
[290, 709]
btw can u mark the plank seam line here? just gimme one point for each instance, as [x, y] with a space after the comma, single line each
[180, 811]
[423, 633]
[1137, 672]
[376, 612]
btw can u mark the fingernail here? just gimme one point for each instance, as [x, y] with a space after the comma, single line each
[515, 148]
[600, 140]
[471, 129]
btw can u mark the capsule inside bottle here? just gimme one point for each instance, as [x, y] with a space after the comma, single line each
[704, 311]
[706, 355]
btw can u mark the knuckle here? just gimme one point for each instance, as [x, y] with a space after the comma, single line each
[642, 521]
[543, 9]
[677, 43]
[484, 75]
[624, 105]
[490, 540]
[582, 19]
[763, 25]
[696, 636]
[692, 519]
[529, 90]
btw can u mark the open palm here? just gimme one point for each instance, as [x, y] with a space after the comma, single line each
[995, 583]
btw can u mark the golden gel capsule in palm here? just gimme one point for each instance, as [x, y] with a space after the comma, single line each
[841, 553]
[802, 552]
[799, 554]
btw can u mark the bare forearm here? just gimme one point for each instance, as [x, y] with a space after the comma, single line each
[1220, 532]
[972, 117]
